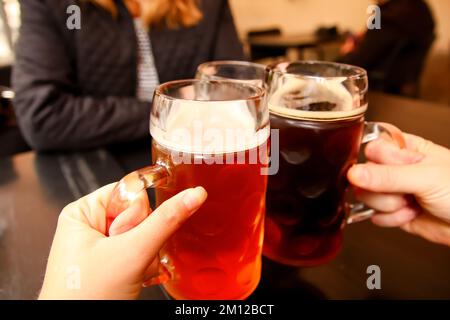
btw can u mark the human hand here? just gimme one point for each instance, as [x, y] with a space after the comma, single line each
[351, 42]
[112, 267]
[348, 46]
[409, 188]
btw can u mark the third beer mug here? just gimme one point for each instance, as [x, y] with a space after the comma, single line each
[242, 71]
[318, 108]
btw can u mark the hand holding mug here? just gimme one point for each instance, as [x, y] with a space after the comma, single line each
[410, 188]
[86, 264]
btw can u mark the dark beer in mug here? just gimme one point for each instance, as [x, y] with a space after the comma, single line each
[306, 198]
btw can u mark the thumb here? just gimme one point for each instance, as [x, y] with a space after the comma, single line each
[389, 178]
[149, 236]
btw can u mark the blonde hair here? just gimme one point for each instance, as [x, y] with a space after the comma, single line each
[170, 13]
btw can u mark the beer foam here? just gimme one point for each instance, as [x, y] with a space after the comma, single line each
[209, 127]
[295, 97]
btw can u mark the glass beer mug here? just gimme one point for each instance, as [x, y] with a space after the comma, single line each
[318, 108]
[211, 134]
[242, 71]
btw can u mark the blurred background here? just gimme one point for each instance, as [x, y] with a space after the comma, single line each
[9, 26]
[294, 17]
[413, 40]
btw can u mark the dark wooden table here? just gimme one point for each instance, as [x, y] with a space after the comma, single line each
[35, 187]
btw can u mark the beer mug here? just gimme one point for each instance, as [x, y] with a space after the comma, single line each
[318, 108]
[242, 71]
[211, 134]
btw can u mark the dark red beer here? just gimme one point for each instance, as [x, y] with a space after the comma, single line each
[306, 198]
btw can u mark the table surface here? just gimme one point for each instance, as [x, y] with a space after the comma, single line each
[35, 187]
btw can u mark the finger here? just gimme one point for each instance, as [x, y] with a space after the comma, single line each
[390, 178]
[383, 202]
[415, 143]
[147, 238]
[152, 270]
[430, 228]
[90, 209]
[395, 134]
[387, 152]
[101, 196]
[128, 219]
[395, 219]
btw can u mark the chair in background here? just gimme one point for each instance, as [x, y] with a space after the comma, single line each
[258, 52]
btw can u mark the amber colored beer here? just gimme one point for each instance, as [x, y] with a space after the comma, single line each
[216, 254]
[306, 198]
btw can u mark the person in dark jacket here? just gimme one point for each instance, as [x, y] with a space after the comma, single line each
[394, 54]
[92, 86]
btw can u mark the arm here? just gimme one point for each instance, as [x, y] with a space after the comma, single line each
[227, 46]
[375, 44]
[50, 113]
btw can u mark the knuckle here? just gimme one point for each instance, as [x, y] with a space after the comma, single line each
[171, 218]
[375, 149]
[77, 210]
[172, 214]
[66, 212]
[68, 209]
[371, 148]
[62, 217]
[393, 203]
[423, 145]
[433, 179]
[386, 178]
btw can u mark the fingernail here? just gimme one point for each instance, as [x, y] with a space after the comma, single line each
[194, 198]
[117, 228]
[361, 174]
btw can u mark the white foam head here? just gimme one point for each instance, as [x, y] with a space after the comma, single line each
[209, 127]
[294, 96]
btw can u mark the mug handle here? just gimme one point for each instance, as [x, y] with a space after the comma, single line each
[125, 192]
[373, 130]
